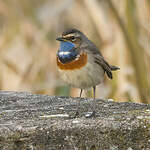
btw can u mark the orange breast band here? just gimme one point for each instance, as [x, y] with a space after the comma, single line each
[75, 64]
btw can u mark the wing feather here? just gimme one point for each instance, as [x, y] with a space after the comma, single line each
[99, 59]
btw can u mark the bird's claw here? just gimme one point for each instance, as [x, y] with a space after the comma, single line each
[75, 116]
[91, 114]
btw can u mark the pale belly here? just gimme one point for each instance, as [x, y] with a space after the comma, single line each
[83, 78]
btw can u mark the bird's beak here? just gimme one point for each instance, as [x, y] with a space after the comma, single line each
[60, 39]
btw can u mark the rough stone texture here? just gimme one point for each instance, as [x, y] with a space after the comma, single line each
[41, 122]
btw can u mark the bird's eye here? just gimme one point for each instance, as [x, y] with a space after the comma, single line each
[73, 38]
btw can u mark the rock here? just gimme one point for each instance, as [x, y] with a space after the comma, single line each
[42, 122]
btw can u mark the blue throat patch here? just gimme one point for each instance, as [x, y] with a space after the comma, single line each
[67, 52]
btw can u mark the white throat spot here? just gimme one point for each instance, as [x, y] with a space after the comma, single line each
[63, 53]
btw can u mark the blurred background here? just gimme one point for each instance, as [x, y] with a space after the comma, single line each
[120, 29]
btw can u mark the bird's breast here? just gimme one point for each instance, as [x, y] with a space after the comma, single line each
[69, 58]
[67, 52]
[77, 63]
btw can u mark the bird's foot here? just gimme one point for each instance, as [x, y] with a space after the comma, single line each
[91, 114]
[75, 116]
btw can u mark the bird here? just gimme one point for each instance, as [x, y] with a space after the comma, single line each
[81, 64]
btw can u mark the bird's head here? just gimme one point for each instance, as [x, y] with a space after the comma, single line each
[73, 36]
[70, 42]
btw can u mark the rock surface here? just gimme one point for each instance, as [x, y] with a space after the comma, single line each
[42, 122]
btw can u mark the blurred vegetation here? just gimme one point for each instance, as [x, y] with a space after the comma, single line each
[121, 30]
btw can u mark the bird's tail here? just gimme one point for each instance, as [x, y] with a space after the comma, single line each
[114, 68]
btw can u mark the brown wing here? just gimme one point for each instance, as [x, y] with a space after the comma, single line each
[99, 59]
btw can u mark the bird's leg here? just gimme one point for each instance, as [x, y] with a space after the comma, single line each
[94, 105]
[78, 105]
[81, 93]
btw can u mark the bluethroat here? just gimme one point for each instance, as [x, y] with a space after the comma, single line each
[81, 64]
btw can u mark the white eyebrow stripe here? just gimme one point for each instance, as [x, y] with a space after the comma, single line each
[64, 53]
[68, 35]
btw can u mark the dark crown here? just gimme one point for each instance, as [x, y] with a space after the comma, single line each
[70, 31]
